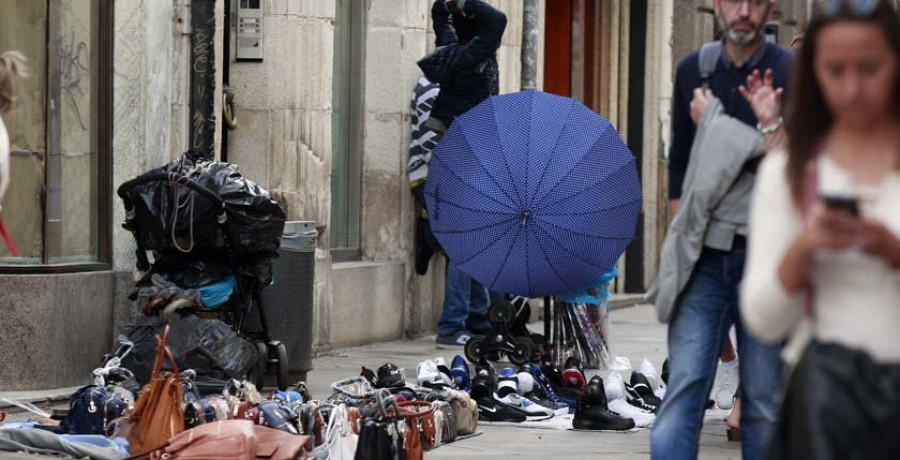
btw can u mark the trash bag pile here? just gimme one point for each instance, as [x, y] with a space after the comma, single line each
[173, 220]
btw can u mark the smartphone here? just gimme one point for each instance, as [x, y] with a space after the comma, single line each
[843, 203]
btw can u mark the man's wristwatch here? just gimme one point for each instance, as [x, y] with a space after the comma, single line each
[771, 127]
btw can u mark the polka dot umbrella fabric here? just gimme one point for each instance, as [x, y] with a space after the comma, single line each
[533, 194]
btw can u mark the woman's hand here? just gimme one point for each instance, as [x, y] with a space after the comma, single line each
[878, 241]
[764, 98]
[828, 229]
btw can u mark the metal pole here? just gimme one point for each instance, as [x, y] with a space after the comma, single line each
[529, 44]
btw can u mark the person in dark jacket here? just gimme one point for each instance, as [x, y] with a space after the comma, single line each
[469, 31]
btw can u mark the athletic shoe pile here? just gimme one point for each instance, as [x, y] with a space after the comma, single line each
[593, 414]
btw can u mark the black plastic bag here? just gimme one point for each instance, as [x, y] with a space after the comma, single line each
[208, 346]
[172, 217]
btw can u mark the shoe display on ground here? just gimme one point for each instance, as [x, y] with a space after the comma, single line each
[444, 371]
[726, 385]
[640, 394]
[593, 414]
[427, 375]
[508, 394]
[455, 340]
[573, 374]
[459, 372]
[390, 376]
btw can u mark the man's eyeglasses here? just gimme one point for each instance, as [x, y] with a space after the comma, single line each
[750, 3]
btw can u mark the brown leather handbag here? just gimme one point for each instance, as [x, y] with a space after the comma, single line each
[158, 415]
[419, 419]
[223, 440]
[277, 445]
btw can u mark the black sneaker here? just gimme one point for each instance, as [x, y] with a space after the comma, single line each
[390, 376]
[457, 339]
[370, 377]
[664, 373]
[593, 414]
[639, 393]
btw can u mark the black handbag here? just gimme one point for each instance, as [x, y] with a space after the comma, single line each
[839, 404]
[380, 437]
[91, 409]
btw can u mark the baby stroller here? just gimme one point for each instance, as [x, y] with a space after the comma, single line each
[209, 230]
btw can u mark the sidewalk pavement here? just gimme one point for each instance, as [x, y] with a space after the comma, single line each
[636, 334]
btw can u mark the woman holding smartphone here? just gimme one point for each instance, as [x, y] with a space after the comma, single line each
[825, 234]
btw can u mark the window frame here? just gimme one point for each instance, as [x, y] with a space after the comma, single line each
[104, 157]
[347, 144]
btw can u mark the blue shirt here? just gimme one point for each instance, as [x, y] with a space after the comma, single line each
[724, 84]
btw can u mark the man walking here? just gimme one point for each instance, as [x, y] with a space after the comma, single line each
[717, 145]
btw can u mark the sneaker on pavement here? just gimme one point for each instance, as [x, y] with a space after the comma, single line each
[390, 376]
[642, 418]
[508, 394]
[639, 393]
[428, 376]
[455, 340]
[444, 371]
[726, 385]
[615, 386]
[459, 372]
[573, 375]
[543, 389]
[646, 368]
[593, 414]
[370, 377]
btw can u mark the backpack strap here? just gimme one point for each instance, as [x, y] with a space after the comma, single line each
[709, 57]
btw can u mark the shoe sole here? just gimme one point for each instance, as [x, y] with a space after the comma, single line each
[589, 426]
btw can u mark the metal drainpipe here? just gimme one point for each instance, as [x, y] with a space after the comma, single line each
[529, 44]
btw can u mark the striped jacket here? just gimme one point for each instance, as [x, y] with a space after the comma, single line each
[422, 139]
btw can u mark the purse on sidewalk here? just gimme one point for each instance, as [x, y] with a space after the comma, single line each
[158, 415]
[420, 433]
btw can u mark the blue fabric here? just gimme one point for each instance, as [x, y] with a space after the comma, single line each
[723, 83]
[595, 293]
[533, 194]
[118, 443]
[215, 294]
[706, 311]
[465, 303]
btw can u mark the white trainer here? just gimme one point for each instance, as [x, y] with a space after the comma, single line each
[726, 386]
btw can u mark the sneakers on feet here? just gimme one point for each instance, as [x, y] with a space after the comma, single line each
[455, 340]
[459, 371]
[726, 385]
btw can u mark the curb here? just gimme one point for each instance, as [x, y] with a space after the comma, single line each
[620, 301]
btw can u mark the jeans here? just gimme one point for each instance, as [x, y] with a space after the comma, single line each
[706, 310]
[465, 303]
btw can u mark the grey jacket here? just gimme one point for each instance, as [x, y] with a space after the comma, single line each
[714, 206]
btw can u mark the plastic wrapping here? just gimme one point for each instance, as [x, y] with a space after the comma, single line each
[208, 346]
[172, 218]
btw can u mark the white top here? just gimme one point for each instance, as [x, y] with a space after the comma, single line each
[4, 161]
[857, 296]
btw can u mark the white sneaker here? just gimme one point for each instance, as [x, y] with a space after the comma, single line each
[444, 371]
[427, 374]
[642, 419]
[660, 393]
[526, 383]
[649, 371]
[726, 387]
[614, 386]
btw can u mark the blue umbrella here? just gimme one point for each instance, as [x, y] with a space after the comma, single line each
[532, 194]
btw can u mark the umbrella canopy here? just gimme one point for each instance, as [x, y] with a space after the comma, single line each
[532, 194]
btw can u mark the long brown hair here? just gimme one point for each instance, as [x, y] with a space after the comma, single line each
[808, 117]
[12, 66]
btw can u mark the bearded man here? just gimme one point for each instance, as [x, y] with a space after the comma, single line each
[706, 307]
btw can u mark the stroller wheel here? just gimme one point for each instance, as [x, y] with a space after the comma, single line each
[523, 352]
[258, 374]
[474, 349]
[282, 364]
[501, 312]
